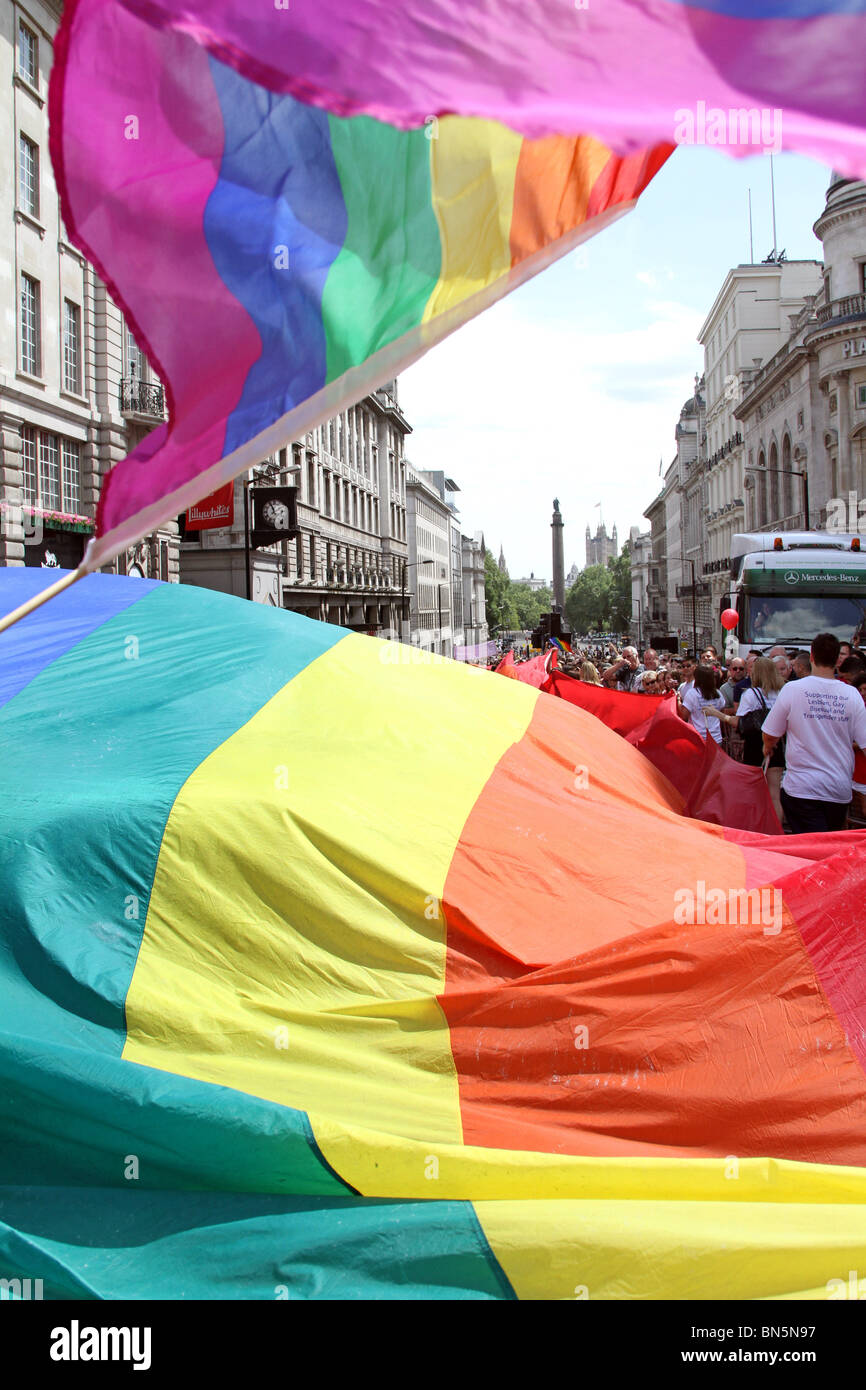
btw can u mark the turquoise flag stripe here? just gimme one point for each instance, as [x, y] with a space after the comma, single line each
[106, 1122]
[43, 636]
[83, 807]
[168, 1245]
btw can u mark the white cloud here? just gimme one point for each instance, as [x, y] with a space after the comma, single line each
[520, 410]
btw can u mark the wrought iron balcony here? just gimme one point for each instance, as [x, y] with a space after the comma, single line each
[139, 397]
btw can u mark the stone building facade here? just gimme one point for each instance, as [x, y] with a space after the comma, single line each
[640, 551]
[720, 482]
[474, 591]
[429, 525]
[656, 602]
[76, 394]
[804, 410]
[749, 322]
[601, 547]
[349, 564]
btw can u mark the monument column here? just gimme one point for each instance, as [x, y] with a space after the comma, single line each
[558, 559]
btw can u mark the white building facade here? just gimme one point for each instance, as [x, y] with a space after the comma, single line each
[76, 394]
[803, 412]
[349, 564]
[748, 323]
[429, 530]
[474, 591]
[640, 551]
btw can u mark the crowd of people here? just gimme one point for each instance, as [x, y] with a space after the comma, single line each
[800, 716]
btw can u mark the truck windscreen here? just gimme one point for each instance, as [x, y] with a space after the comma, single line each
[797, 618]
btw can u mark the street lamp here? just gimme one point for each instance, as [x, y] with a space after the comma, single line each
[264, 472]
[694, 609]
[414, 564]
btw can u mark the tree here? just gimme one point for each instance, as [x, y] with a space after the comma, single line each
[530, 604]
[500, 609]
[622, 603]
[589, 601]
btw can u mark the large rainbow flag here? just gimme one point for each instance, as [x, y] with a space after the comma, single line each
[292, 202]
[303, 998]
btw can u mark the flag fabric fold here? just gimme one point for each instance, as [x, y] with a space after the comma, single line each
[463, 1008]
[322, 221]
[713, 786]
[304, 257]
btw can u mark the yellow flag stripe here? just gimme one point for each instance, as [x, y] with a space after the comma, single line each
[473, 165]
[315, 984]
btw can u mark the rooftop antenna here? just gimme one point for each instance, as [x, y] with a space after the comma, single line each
[773, 205]
[751, 240]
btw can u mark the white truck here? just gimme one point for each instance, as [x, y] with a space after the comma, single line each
[787, 586]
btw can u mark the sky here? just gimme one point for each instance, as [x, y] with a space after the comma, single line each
[572, 386]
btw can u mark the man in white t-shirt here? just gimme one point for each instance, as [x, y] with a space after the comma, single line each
[825, 723]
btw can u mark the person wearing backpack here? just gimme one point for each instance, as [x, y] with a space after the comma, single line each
[757, 701]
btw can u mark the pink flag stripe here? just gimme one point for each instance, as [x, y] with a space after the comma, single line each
[616, 69]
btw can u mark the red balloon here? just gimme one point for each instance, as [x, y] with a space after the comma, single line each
[730, 618]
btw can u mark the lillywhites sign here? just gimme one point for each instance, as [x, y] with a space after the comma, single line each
[788, 581]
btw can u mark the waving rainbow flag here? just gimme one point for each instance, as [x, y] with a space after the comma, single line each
[294, 202]
[301, 999]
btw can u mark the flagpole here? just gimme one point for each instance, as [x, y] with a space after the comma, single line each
[42, 597]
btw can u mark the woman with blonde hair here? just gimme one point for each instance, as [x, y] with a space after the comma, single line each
[767, 680]
[589, 674]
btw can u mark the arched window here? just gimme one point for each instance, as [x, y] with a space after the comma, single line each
[761, 517]
[775, 505]
[790, 504]
[858, 462]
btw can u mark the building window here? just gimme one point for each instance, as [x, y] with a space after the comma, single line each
[52, 471]
[136, 363]
[861, 394]
[49, 472]
[834, 404]
[31, 347]
[800, 420]
[28, 54]
[28, 464]
[313, 574]
[71, 347]
[72, 476]
[28, 176]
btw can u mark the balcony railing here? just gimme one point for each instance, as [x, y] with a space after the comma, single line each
[142, 398]
[728, 446]
[851, 307]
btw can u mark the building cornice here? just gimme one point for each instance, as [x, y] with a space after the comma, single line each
[789, 357]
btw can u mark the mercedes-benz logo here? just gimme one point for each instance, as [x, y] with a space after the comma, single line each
[791, 577]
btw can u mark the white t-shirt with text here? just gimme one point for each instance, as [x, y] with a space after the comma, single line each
[823, 719]
[694, 702]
